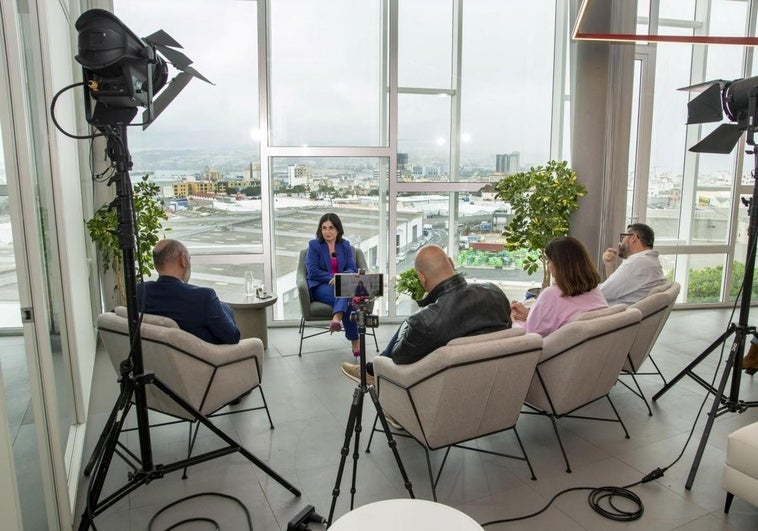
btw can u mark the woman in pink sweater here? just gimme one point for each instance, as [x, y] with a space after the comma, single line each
[574, 290]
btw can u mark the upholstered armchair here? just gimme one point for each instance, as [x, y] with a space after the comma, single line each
[580, 363]
[655, 310]
[207, 376]
[472, 387]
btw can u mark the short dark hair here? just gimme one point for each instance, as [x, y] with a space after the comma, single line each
[166, 252]
[575, 273]
[335, 219]
[643, 232]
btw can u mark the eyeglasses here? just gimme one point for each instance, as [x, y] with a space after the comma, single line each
[624, 235]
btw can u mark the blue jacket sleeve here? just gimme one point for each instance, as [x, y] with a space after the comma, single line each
[221, 320]
[315, 270]
[348, 264]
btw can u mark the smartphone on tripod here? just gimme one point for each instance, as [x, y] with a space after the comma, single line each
[351, 285]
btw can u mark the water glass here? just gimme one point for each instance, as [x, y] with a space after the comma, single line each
[250, 283]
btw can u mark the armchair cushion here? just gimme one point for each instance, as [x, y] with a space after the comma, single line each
[148, 318]
[461, 391]
[581, 361]
[207, 376]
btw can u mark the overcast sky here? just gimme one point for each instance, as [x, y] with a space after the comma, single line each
[327, 85]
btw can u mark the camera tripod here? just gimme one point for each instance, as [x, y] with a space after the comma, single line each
[354, 423]
[723, 403]
[133, 377]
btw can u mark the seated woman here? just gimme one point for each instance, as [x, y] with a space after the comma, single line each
[329, 254]
[574, 291]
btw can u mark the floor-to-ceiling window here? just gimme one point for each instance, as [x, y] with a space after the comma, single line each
[399, 137]
[398, 114]
[689, 199]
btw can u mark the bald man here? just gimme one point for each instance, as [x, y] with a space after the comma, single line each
[195, 309]
[452, 308]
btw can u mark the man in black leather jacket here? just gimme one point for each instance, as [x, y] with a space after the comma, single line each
[452, 308]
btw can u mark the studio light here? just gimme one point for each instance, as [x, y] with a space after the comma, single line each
[735, 99]
[123, 72]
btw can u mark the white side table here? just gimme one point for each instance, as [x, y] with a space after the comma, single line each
[405, 515]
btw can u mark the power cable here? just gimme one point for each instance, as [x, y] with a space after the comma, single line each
[200, 518]
[606, 495]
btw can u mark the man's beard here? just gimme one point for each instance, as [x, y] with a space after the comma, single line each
[623, 250]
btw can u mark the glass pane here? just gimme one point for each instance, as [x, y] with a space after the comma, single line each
[10, 313]
[306, 189]
[477, 224]
[712, 213]
[667, 147]
[506, 103]
[203, 150]
[424, 137]
[727, 18]
[643, 10]
[633, 139]
[226, 222]
[14, 367]
[705, 277]
[327, 84]
[425, 36]
[225, 278]
[677, 9]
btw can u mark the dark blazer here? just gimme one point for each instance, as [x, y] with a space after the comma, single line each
[195, 309]
[318, 263]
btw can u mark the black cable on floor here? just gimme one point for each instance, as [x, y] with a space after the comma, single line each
[201, 518]
[598, 495]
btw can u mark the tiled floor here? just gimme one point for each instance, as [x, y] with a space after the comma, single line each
[310, 399]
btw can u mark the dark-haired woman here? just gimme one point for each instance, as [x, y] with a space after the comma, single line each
[574, 290]
[329, 254]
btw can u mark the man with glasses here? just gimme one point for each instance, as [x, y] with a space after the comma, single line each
[640, 270]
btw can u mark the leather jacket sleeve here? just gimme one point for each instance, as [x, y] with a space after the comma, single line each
[453, 309]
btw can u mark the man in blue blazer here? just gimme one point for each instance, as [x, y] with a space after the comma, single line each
[195, 309]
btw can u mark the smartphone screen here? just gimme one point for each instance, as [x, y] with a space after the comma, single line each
[350, 285]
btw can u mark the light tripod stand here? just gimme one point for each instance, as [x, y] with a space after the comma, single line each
[134, 379]
[723, 403]
[354, 422]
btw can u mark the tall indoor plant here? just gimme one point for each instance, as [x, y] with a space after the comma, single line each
[542, 200]
[103, 229]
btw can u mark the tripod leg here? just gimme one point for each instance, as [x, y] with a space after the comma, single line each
[103, 459]
[713, 413]
[695, 362]
[202, 419]
[356, 445]
[391, 442]
[355, 410]
[101, 440]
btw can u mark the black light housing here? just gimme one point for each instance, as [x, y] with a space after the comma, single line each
[123, 71]
[736, 99]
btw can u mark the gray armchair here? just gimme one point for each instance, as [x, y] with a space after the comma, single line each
[580, 363]
[319, 312]
[472, 387]
[655, 310]
[207, 376]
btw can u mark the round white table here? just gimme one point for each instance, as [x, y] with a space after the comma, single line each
[405, 515]
[250, 315]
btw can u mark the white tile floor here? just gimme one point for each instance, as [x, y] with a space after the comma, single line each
[310, 400]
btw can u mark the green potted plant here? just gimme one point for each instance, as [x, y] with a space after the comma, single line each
[408, 283]
[103, 229]
[542, 200]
